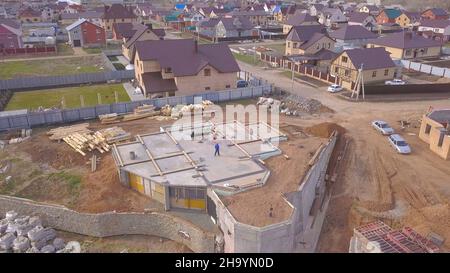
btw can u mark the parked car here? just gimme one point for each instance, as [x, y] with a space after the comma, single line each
[334, 88]
[383, 127]
[399, 144]
[395, 82]
[241, 84]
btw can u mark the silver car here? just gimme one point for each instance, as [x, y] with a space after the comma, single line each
[399, 144]
[383, 127]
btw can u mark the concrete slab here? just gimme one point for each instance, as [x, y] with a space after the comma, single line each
[130, 91]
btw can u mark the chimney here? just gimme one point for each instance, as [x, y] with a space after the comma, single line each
[132, 155]
[196, 46]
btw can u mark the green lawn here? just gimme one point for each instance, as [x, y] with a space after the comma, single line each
[280, 48]
[50, 67]
[250, 59]
[64, 49]
[52, 97]
[92, 50]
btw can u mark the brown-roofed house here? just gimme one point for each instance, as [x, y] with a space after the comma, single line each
[183, 67]
[30, 15]
[376, 64]
[408, 45]
[117, 13]
[435, 14]
[131, 33]
[300, 18]
[308, 40]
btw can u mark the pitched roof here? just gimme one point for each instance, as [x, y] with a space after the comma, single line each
[352, 32]
[154, 83]
[236, 23]
[86, 14]
[118, 11]
[437, 11]
[370, 58]
[358, 17]
[183, 58]
[304, 33]
[435, 23]
[405, 40]
[392, 13]
[300, 17]
[412, 15]
[314, 38]
[29, 12]
[10, 22]
[124, 29]
[139, 30]
[15, 31]
[75, 24]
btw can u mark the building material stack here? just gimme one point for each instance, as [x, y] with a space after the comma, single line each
[138, 113]
[83, 142]
[114, 134]
[62, 132]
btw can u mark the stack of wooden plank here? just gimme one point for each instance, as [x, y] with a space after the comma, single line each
[62, 132]
[141, 112]
[114, 134]
[109, 118]
[138, 113]
[84, 142]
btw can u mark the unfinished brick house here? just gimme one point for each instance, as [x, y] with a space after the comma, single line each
[435, 130]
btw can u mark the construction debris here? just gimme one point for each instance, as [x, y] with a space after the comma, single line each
[27, 235]
[293, 105]
[62, 132]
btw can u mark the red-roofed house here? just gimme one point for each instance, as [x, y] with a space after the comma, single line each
[10, 37]
[435, 14]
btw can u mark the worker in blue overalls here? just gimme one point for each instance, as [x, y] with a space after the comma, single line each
[217, 147]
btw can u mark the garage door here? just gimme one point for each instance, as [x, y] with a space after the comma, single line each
[76, 43]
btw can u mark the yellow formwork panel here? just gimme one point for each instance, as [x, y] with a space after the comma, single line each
[196, 203]
[136, 183]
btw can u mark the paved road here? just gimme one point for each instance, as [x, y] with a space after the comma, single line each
[342, 107]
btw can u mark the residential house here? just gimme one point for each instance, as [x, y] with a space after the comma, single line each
[94, 17]
[183, 67]
[315, 9]
[362, 19]
[226, 27]
[435, 14]
[299, 19]
[211, 12]
[370, 9]
[332, 17]
[352, 36]
[375, 64]
[435, 130]
[408, 45]
[388, 16]
[73, 8]
[256, 17]
[281, 13]
[117, 13]
[144, 11]
[408, 19]
[83, 33]
[435, 29]
[10, 34]
[308, 40]
[30, 15]
[131, 33]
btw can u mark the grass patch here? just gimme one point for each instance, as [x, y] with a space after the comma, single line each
[64, 49]
[51, 67]
[52, 97]
[92, 50]
[119, 66]
[73, 181]
[113, 58]
[250, 59]
[280, 48]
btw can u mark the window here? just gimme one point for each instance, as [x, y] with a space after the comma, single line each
[386, 72]
[289, 44]
[167, 70]
[427, 129]
[336, 70]
[294, 45]
[441, 139]
[318, 46]
[207, 72]
[347, 72]
[344, 59]
[123, 20]
[227, 86]
[207, 88]
[408, 52]
[374, 74]
[171, 93]
[329, 45]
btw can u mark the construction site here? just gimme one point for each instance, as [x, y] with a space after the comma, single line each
[301, 185]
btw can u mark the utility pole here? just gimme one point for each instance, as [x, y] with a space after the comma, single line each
[292, 67]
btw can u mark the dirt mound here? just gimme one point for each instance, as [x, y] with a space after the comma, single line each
[324, 129]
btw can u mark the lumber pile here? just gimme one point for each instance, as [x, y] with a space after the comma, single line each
[138, 113]
[84, 142]
[62, 132]
[114, 134]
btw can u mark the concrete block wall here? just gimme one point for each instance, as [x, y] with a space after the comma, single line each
[112, 223]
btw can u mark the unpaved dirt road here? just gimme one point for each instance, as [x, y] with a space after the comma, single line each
[378, 183]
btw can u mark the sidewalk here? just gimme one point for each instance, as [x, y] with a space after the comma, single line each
[130, 91]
